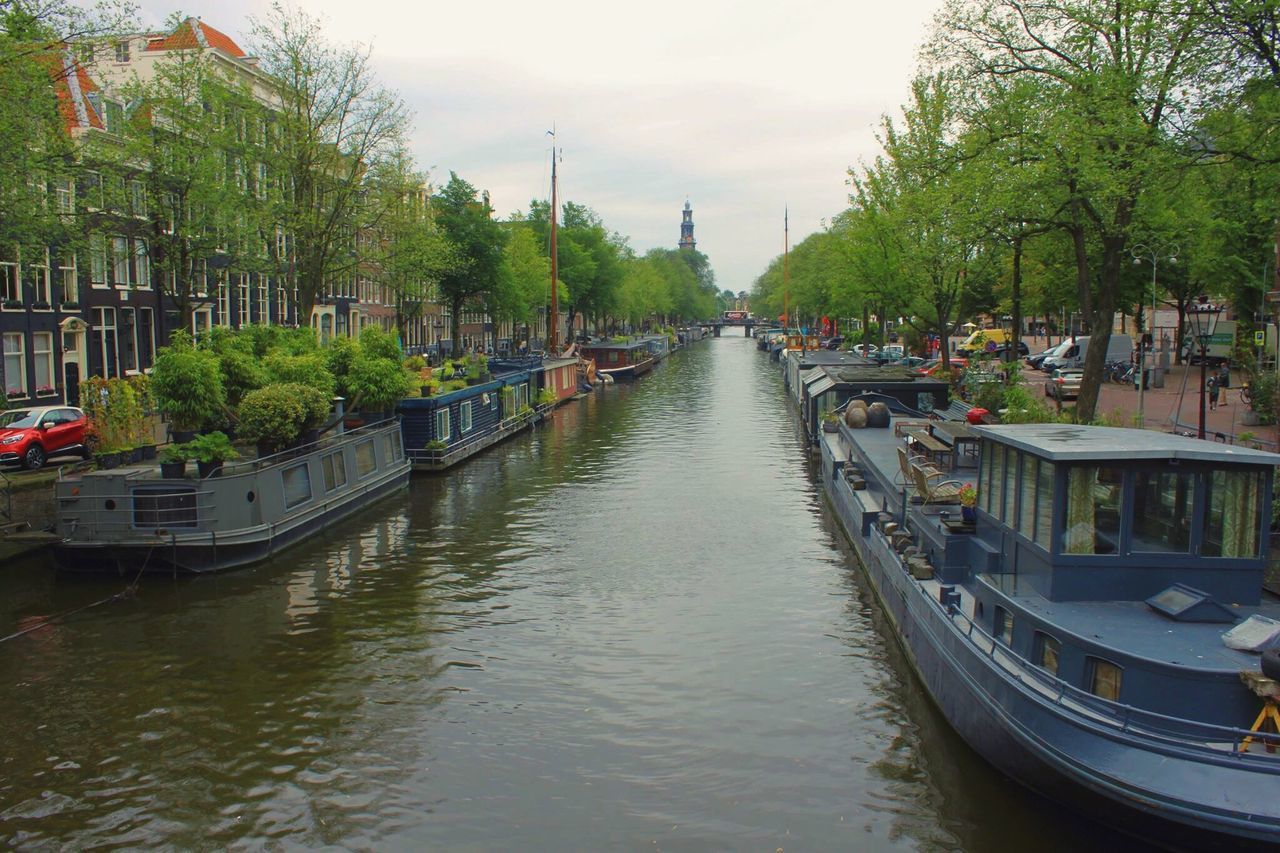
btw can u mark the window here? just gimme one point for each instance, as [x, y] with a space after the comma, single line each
[142, 264]
[297, 485]
[104, 341]
[15, 365]
[243, 302]
[224, 301]
[335, 471]
[397, 446]
[997, 479]
[68, 283]
[164, 507]
[1002, 629]
[128, 340]
[146, 338]
[10, 287]
[1011, 486]
[65, 197]
[201, 322]
[38, 275]
[1162, 511]
[1048, 651]
[137, 198]
[366, 461]
[464, 417]
[1092, 520]
[1104, 679]
[442, 424]
[113, 115]
[264, 301]
[122, 51]
[120, 261]
[97, 260]
[42, 362]
[1233, 514]
[1044, 505]
[1027, 497]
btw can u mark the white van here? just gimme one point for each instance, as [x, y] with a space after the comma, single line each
[1119, 348]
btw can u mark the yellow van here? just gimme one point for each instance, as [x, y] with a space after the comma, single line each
[983, 339]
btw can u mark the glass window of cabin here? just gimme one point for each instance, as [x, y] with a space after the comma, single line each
[1092, 520]
[1233, 514]
[1002, 628]
[442, 424]
[1010, 486]
[365, 459]
[464, 419]
[1027, 500]
[997, 478]
[1044, 505]
[297, 485]
[164, 507]
[984, 476]
[1162, 511]
[397, 446]
[335, 471]
[1104, 679]
[1047, 653]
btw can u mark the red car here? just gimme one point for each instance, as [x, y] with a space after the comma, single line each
[30, 436]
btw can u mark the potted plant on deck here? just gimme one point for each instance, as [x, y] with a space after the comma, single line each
[210, 451]
[378, 385]
[173, 461]
[186, 384]
[968, 501]
[830, 422]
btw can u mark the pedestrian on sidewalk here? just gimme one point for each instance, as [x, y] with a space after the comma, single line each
[1214, 390]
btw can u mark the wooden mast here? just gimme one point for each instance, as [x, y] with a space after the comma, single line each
[553, 333]
[786, 271]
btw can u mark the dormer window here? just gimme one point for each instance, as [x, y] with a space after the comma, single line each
[122, 50]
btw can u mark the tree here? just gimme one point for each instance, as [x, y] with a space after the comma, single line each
[333, 125]
[477, 239]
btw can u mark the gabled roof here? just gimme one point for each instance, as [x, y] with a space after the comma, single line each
[195, 33]
[72, 86]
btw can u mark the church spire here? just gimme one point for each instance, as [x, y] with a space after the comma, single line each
[686, 228]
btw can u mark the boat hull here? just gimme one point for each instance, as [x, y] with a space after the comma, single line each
[630, 371]
[1117, 778]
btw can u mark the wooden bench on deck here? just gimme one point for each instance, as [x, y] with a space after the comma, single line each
[933, 448]
[957, 411]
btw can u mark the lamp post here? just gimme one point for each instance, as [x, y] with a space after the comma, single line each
[1204, 319]
[1142, 252]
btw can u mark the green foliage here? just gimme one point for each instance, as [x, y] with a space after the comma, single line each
[415, 363]
[116, 410]
[375, 343]
[340, 357]
[436, 444]
[311, 369]
[176, 453]
[211, 447]
[273, 416]
[546, 397]
[378, 383]
[241, 372]
[187, 385]
[1262, 395]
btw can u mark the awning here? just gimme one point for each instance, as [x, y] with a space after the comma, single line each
[820, 386]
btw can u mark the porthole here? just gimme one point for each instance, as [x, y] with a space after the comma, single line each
[250, 497]
[110, 504]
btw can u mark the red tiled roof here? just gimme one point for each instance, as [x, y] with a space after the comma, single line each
[185, 37]
[71, 84]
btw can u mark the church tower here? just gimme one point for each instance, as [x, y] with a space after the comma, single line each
[686, 228]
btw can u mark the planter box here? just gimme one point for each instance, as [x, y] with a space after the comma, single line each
[173, 470]
[71, 306]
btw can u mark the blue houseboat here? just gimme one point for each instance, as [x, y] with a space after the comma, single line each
[659, 346]
[620, 360]
[1094, 631]
[443, 430]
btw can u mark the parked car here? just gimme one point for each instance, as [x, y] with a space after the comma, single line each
[30, 436]
[1035, 361]
[1004, 352]
[865, 350]
[934, 368]
[913, 361]
[834, 343]
[1064, 384]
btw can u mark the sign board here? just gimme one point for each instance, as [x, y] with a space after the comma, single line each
[1259, 338]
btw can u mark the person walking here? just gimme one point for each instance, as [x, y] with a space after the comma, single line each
[1214, 391]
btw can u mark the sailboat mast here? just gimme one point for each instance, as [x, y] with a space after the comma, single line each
[553, 333]
[786, 270]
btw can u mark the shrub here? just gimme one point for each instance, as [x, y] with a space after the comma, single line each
[416, 363]
[375, 343]
[377, 384]
[273, 416]
[315, 404]
[340, 356]
[310, 369]
[187, 385]
[211, 447]
[241, 373]
[546, 397]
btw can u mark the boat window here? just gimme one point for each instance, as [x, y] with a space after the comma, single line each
[613, 356]
[1104, 679]
[464, 417]
[1047, 651]
[1002, 629]
[1027, 498]
[1162, 511]
[1044, 505]
[164, 507]
[1233, 514]
[297, 485]
[989, 450]
[997, 479]
[442, 424]
[335, 471]
[1092, 520]
[1010, 486]
[365, 460]
[397, 446]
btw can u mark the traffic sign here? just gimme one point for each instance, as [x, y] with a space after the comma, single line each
[1259, 338]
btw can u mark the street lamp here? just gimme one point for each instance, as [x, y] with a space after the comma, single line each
[1204, 319]
[1142, 252]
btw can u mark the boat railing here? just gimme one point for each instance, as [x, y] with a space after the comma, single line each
[1151, 726]
[163, 509]
[260, 463]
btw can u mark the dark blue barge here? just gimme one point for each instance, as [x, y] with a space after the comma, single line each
[1061, 632]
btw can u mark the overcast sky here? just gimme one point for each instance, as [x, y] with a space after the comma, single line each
[743, 108]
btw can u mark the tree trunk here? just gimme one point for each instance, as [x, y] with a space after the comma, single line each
[1100, 329]
[1016, 297]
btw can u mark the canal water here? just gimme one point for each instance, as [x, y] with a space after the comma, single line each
[635, 628]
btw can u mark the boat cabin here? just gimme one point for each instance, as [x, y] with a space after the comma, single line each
[447, 428]
[1085, 513]
[829, 387]
[623, 359]
[798, 363]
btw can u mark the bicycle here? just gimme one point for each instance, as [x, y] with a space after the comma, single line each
[1246, 396]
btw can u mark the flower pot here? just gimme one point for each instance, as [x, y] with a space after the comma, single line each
[148, 452]
[830, 426]
[1250, 418]
[107, 461]
[374, 417]
[40, 306]
[208, 470]
[173, 470]
[310, 436]
[182, 436]
[71, 306]
[968, 514]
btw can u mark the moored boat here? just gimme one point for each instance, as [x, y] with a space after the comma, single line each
[1073, 634]
[620, 359]
[131, 519]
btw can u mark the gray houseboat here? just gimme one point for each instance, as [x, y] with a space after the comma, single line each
[1094, 631]
[128, 520]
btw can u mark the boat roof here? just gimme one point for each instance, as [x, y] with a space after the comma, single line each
[820, 357]
[1080, 443]
[871, 372]
[616, 344]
